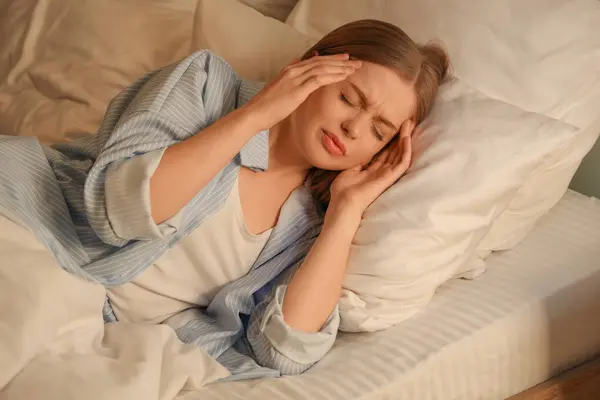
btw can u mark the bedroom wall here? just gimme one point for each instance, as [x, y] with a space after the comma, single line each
[587, 178]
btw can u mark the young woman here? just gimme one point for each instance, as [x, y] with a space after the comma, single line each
[227, 212]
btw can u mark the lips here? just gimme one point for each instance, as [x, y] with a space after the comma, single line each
[333, 144]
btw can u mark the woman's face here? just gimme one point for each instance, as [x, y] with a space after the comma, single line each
[344, 125]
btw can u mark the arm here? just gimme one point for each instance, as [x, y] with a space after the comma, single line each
[201, 157]
[166, 112]
[315, 288]
[296, 325]
[156, 112]
[293, 333]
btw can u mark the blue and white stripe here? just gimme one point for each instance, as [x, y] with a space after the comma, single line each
[59, 192]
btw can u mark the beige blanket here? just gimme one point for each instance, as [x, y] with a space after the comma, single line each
[54, 344]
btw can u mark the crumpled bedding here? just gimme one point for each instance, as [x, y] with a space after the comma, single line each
[55, 345]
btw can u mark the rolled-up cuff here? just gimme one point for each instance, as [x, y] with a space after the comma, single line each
[300, 347]
[127, 190]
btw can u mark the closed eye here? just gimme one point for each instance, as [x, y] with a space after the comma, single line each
[377, 133]
[345, 99]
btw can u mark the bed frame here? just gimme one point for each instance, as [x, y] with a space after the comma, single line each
[579, 383]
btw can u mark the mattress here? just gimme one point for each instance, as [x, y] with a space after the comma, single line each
[533, 314]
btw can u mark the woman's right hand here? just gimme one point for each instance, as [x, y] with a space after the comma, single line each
[280, 97]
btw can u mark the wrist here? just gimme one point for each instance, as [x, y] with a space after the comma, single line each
[343, 214]
[254, 116]
[250, 119]
[346, 206]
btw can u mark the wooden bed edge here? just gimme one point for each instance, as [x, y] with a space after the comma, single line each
[579, 383]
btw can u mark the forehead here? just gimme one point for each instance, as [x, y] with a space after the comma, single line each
[391, 96]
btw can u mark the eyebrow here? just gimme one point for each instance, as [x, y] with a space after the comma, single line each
[365, 102]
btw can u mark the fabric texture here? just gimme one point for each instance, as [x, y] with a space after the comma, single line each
[54, 344]
[59, 192]
[399, 260]
[426, 228]
[539, 194]
[61, 61]
[507, 49]
[530, 317]
[518, 60]
[257, 47]
[191, 273]
[127, 190]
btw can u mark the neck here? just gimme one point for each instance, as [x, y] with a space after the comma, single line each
[284, 157]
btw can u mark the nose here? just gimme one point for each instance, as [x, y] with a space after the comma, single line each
[351, 127]
[348, 130]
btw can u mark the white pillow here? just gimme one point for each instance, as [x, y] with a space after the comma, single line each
[256, 46]
[541, 191]
[508, 49]
[61, 61]
[425, 229]
[540, 55]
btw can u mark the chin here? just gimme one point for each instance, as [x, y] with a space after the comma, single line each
[326, 161]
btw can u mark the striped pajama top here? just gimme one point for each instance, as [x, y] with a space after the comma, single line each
[60, 193]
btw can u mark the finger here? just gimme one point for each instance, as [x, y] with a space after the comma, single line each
[399, 154]
[326, 69]
[317, 58]
[323, 68]
[381, 179]
[400, 148]
[378, 160]
[394, 151]
[294, 61]
[407, 128]
[317, 81]
[403, 145]
[406, 158]
[305, 65]
[338, 56]
[375, 164]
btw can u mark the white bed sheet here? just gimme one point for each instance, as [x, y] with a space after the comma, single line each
[54, 344]
[534, 313]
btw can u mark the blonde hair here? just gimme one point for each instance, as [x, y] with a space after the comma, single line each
[425, 66]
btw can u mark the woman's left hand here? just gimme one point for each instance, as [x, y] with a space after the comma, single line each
[358, 187]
